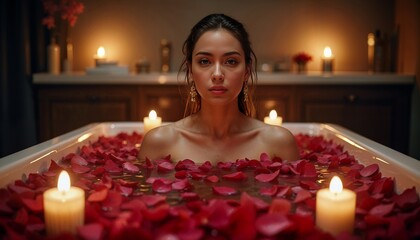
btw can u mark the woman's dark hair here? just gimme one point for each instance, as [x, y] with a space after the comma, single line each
[214, 22]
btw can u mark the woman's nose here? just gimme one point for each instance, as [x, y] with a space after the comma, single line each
[217, 73]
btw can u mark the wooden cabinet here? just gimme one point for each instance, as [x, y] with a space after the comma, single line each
[378, 112]
[63, 108]
[167, 100]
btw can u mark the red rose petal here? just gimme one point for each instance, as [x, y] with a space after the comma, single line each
[76, 168]
[223, 190]
[79, 160]
[309, 185]
[181, 185]
[280, 205]
[113, 200]
[92, 231]
[206, 166]
[153, 200]
[302, 195]
[267, 177]
[98, 196]
[382, 209]
[272, 224]
[236, 176]
[369, 170]
[181, 174]
[158, 213]
[35, 205]
[271, 191]
[165, 167]
[189, 196]
[160, 186]
[212, 178]
[111, 167]
[197, 175]
[130, 167]
[408, 199]
[308, 170]
[224, 165]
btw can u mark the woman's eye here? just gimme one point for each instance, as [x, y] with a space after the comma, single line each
[232, 62]
[204, 61]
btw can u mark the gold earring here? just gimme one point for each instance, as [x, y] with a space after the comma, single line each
[245, 90]
[193, 93]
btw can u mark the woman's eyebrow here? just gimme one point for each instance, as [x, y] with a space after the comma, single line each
[225, 54]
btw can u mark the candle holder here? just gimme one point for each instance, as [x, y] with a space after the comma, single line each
[327, 65]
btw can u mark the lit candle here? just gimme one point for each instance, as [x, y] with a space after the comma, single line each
[371, 46]
[100, 56]
[64, 207]
[152, 121]
[327, 60]
[335, 208]
[273, 119]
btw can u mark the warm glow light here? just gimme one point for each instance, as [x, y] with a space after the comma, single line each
[153, 115]
[336, 186]
[327, 52]
[63, 184]
[371, 39]
[273, 114]
[101, 52]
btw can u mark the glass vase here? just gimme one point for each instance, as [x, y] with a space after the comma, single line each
[68, 59]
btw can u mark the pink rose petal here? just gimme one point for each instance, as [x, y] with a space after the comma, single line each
[98, 196]
[130, 167]
[160, 186]
[212, 178]
[236, 176]
[223, 190]
[369, 170]
[165, 167]
[272, 224]
[267, 177]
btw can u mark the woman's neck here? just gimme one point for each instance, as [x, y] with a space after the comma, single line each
[218, 122]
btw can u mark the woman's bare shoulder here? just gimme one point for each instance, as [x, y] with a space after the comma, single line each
[158, 142]
[282, 141]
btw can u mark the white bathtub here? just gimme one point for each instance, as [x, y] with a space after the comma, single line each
[405, 169]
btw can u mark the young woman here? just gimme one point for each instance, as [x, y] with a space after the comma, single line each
[220, 71]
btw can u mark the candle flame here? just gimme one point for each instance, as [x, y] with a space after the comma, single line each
[336, 186]
[371, 39]
[101, 52]
[63, 184]
[273, 114]
[153, 115]
[327, 52]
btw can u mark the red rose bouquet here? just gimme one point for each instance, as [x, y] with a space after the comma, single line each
[302, 58]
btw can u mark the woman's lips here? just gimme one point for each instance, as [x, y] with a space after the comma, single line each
[218, 90]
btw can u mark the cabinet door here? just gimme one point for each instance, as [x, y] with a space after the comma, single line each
[167, 100]
[276, 97]
[380, 113]
[65, 108]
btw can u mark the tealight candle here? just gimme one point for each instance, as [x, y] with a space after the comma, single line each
[327, 60]
[100, 56]
[273, 119]
[335, 208]
[152, 121]
[64, 207]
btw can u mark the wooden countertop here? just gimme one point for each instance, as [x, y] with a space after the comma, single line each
[336, 78]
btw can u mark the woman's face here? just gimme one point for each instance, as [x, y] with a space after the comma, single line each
[218, 67]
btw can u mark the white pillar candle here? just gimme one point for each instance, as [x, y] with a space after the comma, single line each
[273, 119]
[152, 121]
[64, 207]
[327, 60]
[335, 208]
